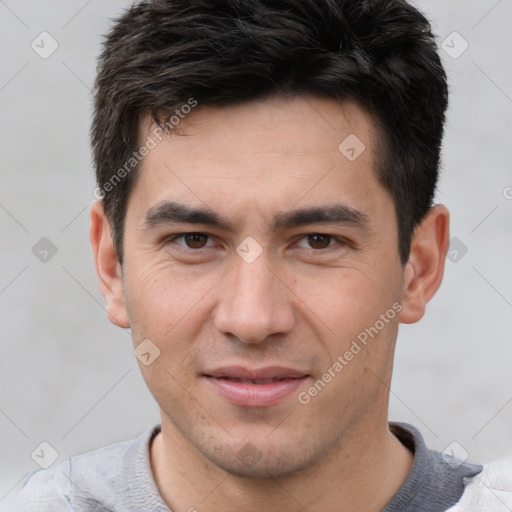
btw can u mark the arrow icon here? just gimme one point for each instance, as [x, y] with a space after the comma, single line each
[454, 45]
[44, 455]
[44, 250]
[249, 454]
[44, 45]
[455, 455]
[456, 250]
[352, 147]
[147, 352]
[249, 249]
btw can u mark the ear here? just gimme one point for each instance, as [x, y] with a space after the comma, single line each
[108, 269]
[424, 271]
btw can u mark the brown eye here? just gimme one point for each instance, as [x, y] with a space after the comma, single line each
[195, 240]
[319, 241]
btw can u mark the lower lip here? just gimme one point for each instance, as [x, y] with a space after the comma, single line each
[248, 394]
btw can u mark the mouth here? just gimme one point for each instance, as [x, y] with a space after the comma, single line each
[255, 388]
[252, 381]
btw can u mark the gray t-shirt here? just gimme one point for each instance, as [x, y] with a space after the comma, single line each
[118, 478]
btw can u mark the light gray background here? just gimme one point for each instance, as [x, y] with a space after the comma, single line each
[69, 377]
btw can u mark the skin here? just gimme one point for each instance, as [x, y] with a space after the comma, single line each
[300, 305]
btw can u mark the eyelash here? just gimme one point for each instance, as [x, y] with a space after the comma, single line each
[338, 241]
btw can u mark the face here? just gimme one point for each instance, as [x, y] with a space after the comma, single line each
[261, 261]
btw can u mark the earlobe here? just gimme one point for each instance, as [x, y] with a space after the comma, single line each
[107, 266]
[424, 271]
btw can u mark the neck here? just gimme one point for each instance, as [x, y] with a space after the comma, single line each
[363, 472]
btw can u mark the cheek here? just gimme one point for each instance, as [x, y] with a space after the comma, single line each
[346, 298]
[164, 300]
[166, 307]
[353, 311]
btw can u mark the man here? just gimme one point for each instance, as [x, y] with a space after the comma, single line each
[267, 173]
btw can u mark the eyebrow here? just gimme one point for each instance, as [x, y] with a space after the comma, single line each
[333, 214]
[171, 212]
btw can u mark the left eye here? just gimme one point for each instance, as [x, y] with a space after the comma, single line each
[317, 241]
[191, 240]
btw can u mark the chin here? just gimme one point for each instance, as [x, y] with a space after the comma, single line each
[259, 460]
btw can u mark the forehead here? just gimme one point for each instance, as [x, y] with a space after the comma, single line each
[278, 152]
[299, 125]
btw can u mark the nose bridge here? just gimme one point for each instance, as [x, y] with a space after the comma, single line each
[254, 303]
[254, 282]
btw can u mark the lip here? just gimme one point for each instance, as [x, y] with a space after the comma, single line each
[236, 384]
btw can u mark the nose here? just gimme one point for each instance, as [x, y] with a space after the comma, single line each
[254, 302]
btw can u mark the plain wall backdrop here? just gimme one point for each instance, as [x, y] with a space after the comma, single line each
[69, 377]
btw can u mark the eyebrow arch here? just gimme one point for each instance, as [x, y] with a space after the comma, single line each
[171, 212]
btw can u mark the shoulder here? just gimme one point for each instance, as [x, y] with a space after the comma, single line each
[489, 491]
[43, 490]
[90, 481]
[436, 479]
